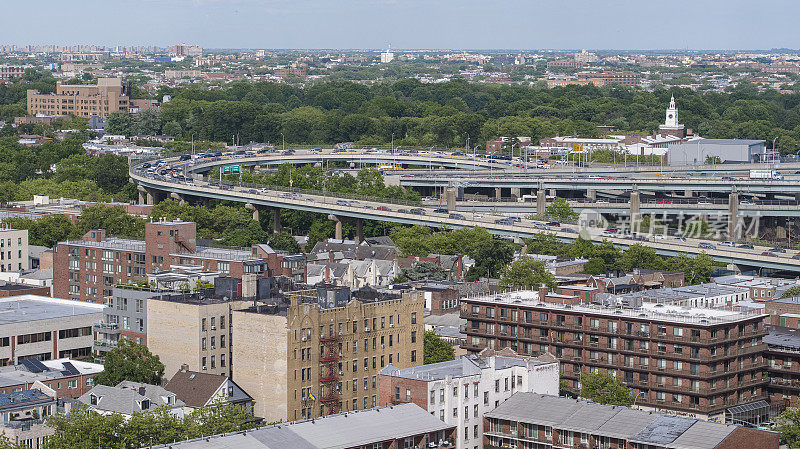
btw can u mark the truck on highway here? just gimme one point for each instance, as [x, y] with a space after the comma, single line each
[765, 174]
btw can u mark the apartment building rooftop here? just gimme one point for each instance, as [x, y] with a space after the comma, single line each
[647, 311]
[634, 426]
[345, 430]
[687, 292]
[461, 367]
[31, 370]
[26, 308]
[783, 338]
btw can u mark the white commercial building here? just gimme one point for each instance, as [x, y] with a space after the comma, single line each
[460, 391]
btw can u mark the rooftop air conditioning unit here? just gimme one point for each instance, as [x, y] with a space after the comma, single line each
[366, 329]
[304, 339]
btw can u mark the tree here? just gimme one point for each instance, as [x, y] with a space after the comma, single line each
[640, 256]
[561, 209]
[423, 270]
[791, 292]
[604, 389]
[130, 361]
[437, 350]
[526, 273]
[283, 241]
[788, 424]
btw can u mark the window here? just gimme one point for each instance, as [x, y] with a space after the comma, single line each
[413, 317]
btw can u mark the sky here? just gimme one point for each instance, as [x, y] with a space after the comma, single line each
[408, 24]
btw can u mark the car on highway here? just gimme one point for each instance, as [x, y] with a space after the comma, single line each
[417, 211]
[541, 226]
[706, 245]
[727, 243]
[554, 224]
[441, 210]
[569, 231]
[769, 254]
[342, 203]
[455, 216]
[383, 208]
[777, 249]
[680, 239]
[504, 221]
[746, 246]
[402, 211]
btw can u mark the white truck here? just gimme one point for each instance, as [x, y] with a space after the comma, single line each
[765, 174]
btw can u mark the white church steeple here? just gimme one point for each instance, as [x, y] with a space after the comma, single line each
[672, 115]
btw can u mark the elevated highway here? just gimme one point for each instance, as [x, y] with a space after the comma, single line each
[155, 187]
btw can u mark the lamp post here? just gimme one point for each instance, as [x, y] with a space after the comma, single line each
[636, 397]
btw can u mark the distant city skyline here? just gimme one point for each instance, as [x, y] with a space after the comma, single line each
[409, 24]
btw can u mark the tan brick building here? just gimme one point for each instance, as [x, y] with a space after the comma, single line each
[85, 100]
[191, 330]
[321, 353]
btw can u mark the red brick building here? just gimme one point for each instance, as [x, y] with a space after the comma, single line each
[696, 362]
[87, 269]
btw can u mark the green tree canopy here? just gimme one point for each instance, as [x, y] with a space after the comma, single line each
[130, 361]
[526, 273]
[437, 350]
[791, 292]
[604, 389]
[560, 209]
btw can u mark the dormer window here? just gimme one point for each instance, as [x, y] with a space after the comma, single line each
[146, 404]
[93, 399]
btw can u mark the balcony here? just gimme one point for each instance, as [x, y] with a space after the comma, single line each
[105, 345]
[330, 397]
[106, 328]
[328, 339]
[329, 357]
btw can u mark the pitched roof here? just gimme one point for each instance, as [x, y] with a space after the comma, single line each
[126, 398]
[194, 388]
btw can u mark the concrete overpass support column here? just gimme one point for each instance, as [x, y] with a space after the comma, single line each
[450, 198]
[516, 192]
[688, 193]
[254, 208]
[142, 195]
[150, 197]
[359, 230]
[498, 192]
[541, 202]
[591, 194]
[553, 193]
[177, 196]
[635, 208]
[338, 235]
[734, 231]
[251, 169]
[277, 226]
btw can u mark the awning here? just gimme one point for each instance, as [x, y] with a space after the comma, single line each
[745, 408]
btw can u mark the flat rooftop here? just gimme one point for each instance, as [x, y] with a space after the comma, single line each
[648, 311]
[461, 367]
[783, 338]
[635, 426]
[55, 369]
[345, 430]
[26, 308]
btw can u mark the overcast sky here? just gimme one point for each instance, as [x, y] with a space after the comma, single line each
[407, 24]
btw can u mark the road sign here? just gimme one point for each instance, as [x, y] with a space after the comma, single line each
[577, 147]
[231, 170]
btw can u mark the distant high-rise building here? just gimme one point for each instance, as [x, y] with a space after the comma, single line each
[387, 56]
[107, 96]
[185, 50]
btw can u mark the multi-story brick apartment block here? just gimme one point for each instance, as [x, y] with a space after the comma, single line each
[529, 420]
[321, 353]
[83, 100]
[7, 72]
[13, 249]
[403, 426]
[697, 362]
[88, 268]
[43, 328]
[460, 391]
[606, 78]
[783, 366]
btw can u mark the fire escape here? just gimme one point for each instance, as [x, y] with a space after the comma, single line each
[330, 377]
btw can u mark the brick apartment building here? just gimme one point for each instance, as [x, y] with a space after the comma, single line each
[529, 420]
[320, 354]
[85, 100]
[87, 269]
[7, 72]
[696, 362]
[605, 78]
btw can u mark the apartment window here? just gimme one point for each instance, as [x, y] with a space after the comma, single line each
[413, 356]
[413, 336]
[594, 323]
[222, 322]
[222, 341]
[203, 343]
[203, 363]
[222, 360]
[413, 317]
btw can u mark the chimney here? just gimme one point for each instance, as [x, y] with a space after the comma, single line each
[142, 390]
[184, 368]
[543, 290]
